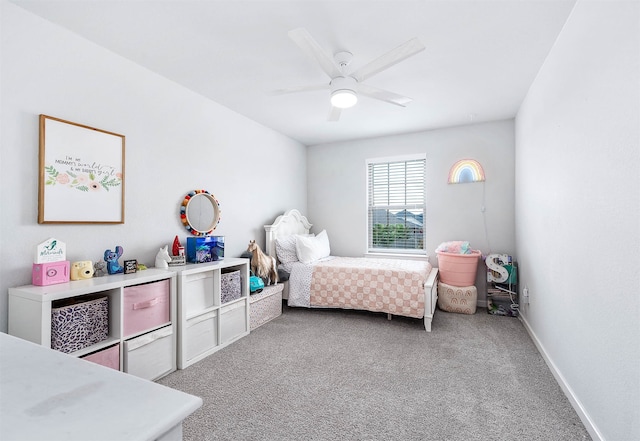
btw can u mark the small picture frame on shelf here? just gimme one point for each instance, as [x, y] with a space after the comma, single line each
[130, 266]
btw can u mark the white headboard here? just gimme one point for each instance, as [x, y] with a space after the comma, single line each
[291, 222]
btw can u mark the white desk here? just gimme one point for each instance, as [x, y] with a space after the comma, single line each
[48, 395]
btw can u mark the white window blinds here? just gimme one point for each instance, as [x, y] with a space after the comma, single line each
[396, 205]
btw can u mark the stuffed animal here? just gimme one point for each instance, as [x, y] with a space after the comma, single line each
[113, 267]
[262, 265]
[99, 269]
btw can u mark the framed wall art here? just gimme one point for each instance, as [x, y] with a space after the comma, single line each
[81, 174]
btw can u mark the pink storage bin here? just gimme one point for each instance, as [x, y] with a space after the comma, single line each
[458, 269]
[109, 357]
[145, 307]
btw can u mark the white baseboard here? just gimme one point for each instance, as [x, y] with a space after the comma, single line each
[575, 402]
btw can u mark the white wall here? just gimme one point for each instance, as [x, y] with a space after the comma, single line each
[176, 141]
[337, 188]
[577, 211]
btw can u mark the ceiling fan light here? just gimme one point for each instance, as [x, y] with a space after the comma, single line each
[344, 98]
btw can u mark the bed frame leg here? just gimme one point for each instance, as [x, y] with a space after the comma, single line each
[430, 298]
[388, 316]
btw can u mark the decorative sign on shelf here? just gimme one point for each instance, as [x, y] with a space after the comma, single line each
[51, 250]
[81, 174]
[130, 266]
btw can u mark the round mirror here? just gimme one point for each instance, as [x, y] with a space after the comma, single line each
[200, 212]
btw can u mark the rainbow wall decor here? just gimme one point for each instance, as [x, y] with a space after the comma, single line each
[466, 170]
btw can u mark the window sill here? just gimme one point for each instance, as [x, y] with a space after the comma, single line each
[398, 256]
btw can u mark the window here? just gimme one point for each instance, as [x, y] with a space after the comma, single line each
[396, 205]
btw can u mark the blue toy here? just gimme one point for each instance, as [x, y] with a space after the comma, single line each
[255, 284]
[113, 267]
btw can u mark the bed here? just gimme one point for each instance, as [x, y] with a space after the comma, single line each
[399, 287]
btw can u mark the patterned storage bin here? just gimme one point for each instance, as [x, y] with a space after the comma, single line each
[230, 286]
[460, 299]
[79, 322]
[265, 306]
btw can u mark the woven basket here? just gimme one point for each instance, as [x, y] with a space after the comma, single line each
[458, 269]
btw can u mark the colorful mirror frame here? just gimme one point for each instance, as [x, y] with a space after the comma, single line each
[188, 223]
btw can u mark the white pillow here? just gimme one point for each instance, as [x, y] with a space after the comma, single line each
[286, 248]
[310, 249]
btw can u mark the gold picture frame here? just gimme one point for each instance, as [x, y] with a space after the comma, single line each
[81, 174]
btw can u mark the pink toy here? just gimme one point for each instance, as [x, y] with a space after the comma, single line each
[50, 273]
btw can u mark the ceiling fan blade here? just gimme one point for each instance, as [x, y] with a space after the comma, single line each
[299, 89]
[334, 114]
[387, 60]
[311, 47]
[383, 95]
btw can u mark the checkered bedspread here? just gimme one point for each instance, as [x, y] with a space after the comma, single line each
[378, 285]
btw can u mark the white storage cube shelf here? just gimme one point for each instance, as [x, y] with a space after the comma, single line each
[30, 318]
[206, 324]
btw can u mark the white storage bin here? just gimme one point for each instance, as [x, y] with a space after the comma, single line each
[200, 289]
[233, 322]
[202, 334]
[151, 355]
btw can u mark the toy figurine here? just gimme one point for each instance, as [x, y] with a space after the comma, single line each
[262, 265]
[163, 258]
[99, 269]
[176, 247]
[113, 267]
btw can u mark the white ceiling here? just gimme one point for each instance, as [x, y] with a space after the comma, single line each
[480, 58]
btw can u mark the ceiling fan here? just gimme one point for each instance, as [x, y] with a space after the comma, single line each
[346, 86]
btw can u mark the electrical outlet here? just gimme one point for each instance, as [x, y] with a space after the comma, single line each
[525, 295]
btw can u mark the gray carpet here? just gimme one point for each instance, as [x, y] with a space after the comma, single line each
[348, 375]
